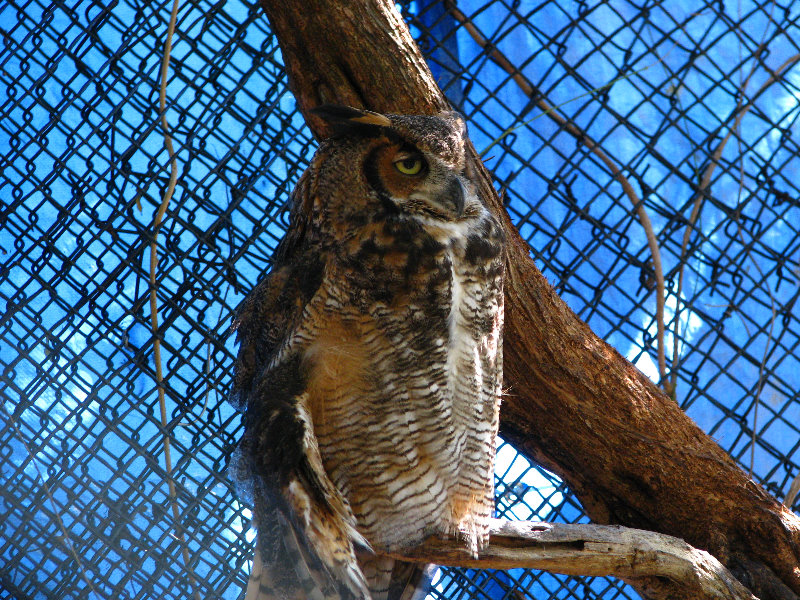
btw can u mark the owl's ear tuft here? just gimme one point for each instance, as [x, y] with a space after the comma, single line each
[346, 119]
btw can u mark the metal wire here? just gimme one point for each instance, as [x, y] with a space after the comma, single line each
[696, 104]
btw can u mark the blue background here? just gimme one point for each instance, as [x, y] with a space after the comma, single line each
[83, 498]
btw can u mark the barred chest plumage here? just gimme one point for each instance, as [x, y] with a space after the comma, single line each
[371, 363]
[406, 378]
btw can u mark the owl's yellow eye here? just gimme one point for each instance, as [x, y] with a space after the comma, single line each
[412, 165]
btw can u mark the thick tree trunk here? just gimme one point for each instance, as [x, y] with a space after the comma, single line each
[574, 405]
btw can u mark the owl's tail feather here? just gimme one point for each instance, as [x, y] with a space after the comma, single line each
[292, 574]
[264, 583]
[390, 579]
[328, 554]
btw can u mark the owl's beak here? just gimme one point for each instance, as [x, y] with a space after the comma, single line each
[455, 195]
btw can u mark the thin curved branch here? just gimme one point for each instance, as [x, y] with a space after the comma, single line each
[162, 209]
[634, 555]
[794, 490]
[530, 90]
[705, 181]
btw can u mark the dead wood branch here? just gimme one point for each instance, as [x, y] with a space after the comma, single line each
[634, 555]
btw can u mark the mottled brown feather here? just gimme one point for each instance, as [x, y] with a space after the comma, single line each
[371, 362]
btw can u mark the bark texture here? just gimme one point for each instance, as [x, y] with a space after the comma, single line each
[574, 405]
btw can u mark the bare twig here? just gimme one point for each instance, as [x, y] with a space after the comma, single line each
[740, 153]
[209, 386]
[794, 490]
[740, 112]
[162, 209]
[696, 209]
[676, 334]
[530, 90]
[591, 550]
[763, 363]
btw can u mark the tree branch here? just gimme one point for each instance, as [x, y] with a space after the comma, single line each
[637, 556]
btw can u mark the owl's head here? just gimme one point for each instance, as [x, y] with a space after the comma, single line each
[397, 165]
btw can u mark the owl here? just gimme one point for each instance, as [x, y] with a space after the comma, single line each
[370, 363]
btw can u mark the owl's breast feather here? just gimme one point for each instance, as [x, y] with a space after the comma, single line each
[403, 392]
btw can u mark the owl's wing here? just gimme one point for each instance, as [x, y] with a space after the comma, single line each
[271, 312]
[306, 529]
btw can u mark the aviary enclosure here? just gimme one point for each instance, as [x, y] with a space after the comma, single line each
[693, 105]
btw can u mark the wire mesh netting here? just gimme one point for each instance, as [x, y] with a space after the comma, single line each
[684, 111]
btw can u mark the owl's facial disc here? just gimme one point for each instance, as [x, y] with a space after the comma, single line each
[415, 184]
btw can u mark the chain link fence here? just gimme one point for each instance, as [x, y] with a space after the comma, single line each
[693, 105]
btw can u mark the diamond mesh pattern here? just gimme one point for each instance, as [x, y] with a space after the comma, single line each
[686, 99]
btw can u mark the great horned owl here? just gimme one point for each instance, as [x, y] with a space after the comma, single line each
[370, 362]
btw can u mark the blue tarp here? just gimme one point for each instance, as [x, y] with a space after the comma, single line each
[80, 147]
